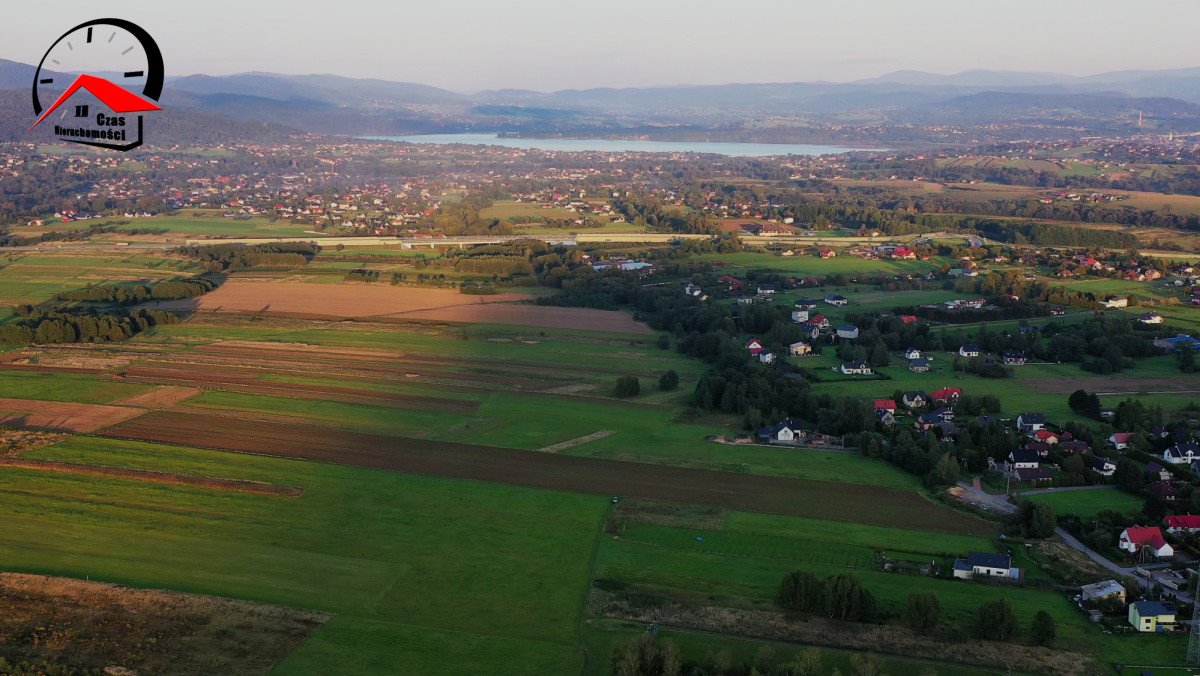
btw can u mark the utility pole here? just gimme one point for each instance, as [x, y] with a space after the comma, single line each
[1193, 653]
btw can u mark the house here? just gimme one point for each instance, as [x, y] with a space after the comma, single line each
[1102, 466]
[1075, 446]
[1155, 469]
[855, 368]
[1183, 523]
[885, 416]
[918, 365]
[755, 345]
[914, 399]
[969, 350]
[983, 564]
[821, 321]
[1174, 344]
[766, 357]
[908, 319]
[885, 405]
[1023, 458]
[1160, 432]
[1014, 358]
[1150, 318]
[903, 252]
[1152, 616]
[1136, 538]
[1046, 437]
[1120, 440]
[912, 353]
[805, 305]
[799, 316]
[847, 331]
[947, 395]
[1034, 475]
[783, 432]
[799, 349]
[1115, 302]
[1099, 591]
[766, 290]
[1182, 454]
[826, 253]
[1030, 422]
[1163, 490]
[837, 301]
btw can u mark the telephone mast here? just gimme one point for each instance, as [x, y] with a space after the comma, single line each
[1193, 653]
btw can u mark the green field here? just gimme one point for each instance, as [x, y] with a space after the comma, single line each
[33, 277]
[1087, 504]
[423, 574]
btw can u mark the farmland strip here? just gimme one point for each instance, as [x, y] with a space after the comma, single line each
[772, 494]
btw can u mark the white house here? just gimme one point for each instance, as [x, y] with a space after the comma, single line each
[799, 316]
[1135, 538]
[847, 331]
[983, 564]
[836, 300]
[766, 357]
[1115, 302]
[1030, 422]
[1120, 440]
[912, 353]
[1182, 454]
[855, 368]
[968, 350]
[1151, 318]
[1023, 458]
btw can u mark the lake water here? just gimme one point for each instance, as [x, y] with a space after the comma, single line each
[729, 148]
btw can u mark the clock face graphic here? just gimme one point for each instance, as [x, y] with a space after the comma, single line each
[111, 71]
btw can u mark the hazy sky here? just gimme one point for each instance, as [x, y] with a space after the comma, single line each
[468, 45]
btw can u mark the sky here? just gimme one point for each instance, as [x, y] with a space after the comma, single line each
[471, 45]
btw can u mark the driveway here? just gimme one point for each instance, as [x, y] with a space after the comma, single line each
[995, 503]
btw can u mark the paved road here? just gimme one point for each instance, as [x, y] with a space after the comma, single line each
[998, 503]
[1070, 540]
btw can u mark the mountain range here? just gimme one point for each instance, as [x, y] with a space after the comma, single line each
[1108, 102]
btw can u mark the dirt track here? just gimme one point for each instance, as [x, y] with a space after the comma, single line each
[365, 301]
[780, 495]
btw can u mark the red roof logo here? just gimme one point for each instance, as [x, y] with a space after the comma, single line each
[117, 98]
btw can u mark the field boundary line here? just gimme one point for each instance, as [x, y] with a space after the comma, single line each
[578, 441]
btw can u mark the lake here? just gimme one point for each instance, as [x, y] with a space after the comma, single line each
[730, 148]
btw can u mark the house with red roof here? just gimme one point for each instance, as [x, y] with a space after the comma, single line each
[1046, 436]
[1120, 440]
[946, 395]
[885, 405]
[1183, 523]
[908, 319]
[903, 252]
[1136, 538]
[754, 345]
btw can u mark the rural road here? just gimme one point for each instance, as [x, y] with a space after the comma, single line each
[999, 503]
[1100, 560]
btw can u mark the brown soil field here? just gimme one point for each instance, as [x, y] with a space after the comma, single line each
[56, 415]
[16, 442]
[92, 626]
[1119, 385]
[159, 397]
[727, 490]
[345, 301]
[171, 478]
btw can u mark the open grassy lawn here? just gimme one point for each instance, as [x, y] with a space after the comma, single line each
[424, 575]
[208, 222]
[804, 263]
[1087, 504]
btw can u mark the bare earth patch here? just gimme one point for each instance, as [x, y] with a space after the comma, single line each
[92, 625]
[363, 301]
[60, 416]
[160, 397]
[16, 442]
